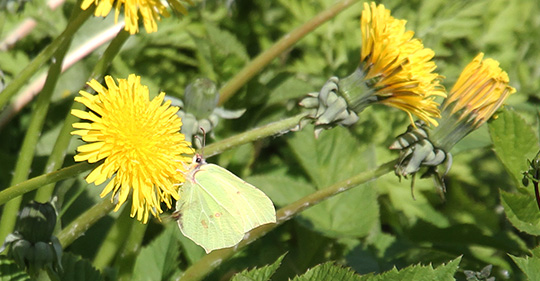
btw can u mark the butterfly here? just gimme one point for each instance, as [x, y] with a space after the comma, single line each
[216, 208]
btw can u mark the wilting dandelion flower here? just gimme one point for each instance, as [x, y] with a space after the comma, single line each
[479, 92]
[481, 89]
[150, 10]
[138, 139]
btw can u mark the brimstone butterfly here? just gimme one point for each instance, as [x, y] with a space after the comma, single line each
[216, 208]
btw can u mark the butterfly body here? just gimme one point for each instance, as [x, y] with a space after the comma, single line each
[218, 207]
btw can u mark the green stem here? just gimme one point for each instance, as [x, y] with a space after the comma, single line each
[263, 59]
[114, 241]
[37, 182]
[58, 154]
[132, 247]
[278, 127]
[82, 223]
[211, 261]
[24, 161]
[56, 159]
[76, 21]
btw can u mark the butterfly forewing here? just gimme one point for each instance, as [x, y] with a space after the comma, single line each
[217, 208]
[251, 205]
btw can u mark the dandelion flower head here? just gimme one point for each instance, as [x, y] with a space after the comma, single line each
[139, 140]
[150, 10]
[398, 66]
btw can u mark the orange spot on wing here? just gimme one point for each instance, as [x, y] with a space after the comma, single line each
[204, 224]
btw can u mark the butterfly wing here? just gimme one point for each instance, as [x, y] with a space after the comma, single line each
[244, 200]
[204, 220]
[217, 208]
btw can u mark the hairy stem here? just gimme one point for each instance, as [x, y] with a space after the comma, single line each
[82, 223]
[276, 128]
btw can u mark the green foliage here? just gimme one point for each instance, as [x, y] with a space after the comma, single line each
[259, 274]
[10, 271]
[514, 140]
[159, 259]
[76, 268]
[377, 230]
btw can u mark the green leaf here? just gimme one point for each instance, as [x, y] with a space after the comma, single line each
[76, 268]
[522, 211]
[259, 274]
[10, 271]
[159, 260]
[328, 271]
[529, 265]
[514, 142]
[418, 273]
[226, 42]
[334, 157]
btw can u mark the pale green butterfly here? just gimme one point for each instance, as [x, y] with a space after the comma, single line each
[216, 208]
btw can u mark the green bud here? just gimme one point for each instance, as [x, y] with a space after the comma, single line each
[201, 97]
[37, 222]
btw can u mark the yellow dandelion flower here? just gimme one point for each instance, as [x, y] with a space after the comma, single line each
[481, 89]
[397, 69]
[150, 10]
[139, 140]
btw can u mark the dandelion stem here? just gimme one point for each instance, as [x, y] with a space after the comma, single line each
[114, 240]
[211, 261]
[289, 39]
[37, 182]
[58, 153]
[131, 250]
[73, 25]
[24, 161]
[82, 223]
[276, 128]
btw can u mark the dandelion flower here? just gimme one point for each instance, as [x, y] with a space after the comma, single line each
[150, 10]
[481, 89]
[138, 139]
[395, 69]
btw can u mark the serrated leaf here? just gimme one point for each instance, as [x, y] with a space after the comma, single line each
[10, 271]
[76, 268]
[522, 211]
[328, 271]
[529, 265]
[159, 260]
[334, 157]
[418, 273]
[514, 142]
[226, 42]
[259, 274]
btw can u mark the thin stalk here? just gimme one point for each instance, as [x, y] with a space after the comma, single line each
[276, 128]
[81, 224]
[58, 154]
[24, 161]
[289, 39]
[56, 159]
[130, 251]
[75, 22]
[39, 181]
[211, 261]
[114, 241]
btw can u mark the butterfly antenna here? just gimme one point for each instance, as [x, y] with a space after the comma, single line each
[203, 141]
